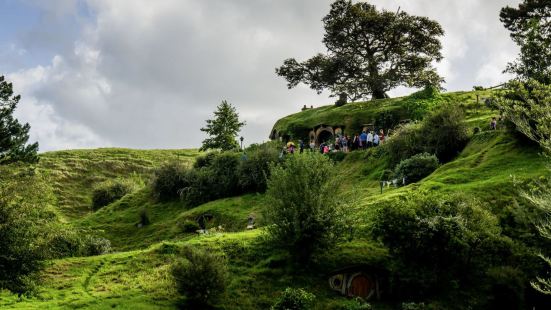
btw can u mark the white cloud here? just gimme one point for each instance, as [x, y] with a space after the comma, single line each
[147, 74]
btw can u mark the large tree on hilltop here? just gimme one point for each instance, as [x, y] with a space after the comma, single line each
[369, 52]
[530, 26]
[223, 129]
[13, 135]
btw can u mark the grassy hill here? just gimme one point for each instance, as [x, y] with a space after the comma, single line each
[137, 275]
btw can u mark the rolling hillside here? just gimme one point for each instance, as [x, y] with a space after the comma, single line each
[493, 166]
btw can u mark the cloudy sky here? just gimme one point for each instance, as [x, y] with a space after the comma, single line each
[147, 74]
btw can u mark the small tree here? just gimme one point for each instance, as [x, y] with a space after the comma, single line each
[530, 28]
[201, 276]
[223, 129]
[369, 53]
[13, 135]
[305, 210]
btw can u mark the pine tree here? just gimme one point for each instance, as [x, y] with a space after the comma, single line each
[223, 129]
[13, 135]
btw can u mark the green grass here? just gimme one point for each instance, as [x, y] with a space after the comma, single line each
[137, 275]
[74, 173]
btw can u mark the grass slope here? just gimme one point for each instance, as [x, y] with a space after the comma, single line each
[74, 173]
[488, 168]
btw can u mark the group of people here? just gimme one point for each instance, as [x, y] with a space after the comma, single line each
[343, 143]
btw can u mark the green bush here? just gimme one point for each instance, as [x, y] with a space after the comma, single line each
[168, 180]
[351, 304]
[337, 156]
[419, 104]
[223, 177]
[189, 226]
[507, 288]
[416, 167]
[96, 246]
[204, 160]
[254, 171]
[110, 191]
[294, 299]
[439, 243]
[144, 217]
[443, 133]
[305, 211]
[201, 276]
[404, 143]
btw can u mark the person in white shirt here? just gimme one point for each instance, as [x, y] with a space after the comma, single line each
[375, 140]
[370, 139]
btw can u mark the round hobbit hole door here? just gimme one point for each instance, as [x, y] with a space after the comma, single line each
[361, 286]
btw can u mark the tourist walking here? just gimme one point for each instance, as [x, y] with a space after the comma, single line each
[493, 124]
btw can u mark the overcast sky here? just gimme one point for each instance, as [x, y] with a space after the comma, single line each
[147, 74]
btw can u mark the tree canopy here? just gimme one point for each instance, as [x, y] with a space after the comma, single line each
[13, 135]
[530, 26]
[369, 52]
[223, 129]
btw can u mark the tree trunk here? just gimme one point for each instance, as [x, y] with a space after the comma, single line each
[378, 94]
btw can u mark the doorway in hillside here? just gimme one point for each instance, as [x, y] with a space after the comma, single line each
[324, 136]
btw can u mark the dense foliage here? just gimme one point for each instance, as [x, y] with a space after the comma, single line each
[13, 135]
[369, 53]
[305, 211]
[26, 222]
[110, 191]
[439, 244]
[294, 299]
[416, 167]
[443, 133]
[168, 180]
[223, 129]
[254, 170]
[200, 275]
[530, 28]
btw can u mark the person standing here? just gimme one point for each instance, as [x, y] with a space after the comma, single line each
[363, 140]
[370, 139]
[381, 136]
[344, 144]
[493, 124]
[376, 140]
[301, 146]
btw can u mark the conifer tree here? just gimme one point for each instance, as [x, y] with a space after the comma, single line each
[223, 129]
[13, 135]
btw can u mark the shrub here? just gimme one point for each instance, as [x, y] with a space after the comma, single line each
[204, 160]
[144, 217]
[110, 191]
[294, 299]
[201, 276]
[254, 171]
[439, 243]
[168, 180]
[337, 156]
[507, 288]
[405, 143]
[305, 209]
[97, 246]
[189, 226]
[420, 103]
[416, 167]
[223, 177]
[444, 132]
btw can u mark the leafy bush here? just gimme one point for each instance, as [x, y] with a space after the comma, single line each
[337, 156]
[352, 304]
[507, 288]
[189, 226]
[144, 217]
[294, 299]
[110, 191]
[168, 180]
[416, 167]
[439, 243]
[201, 276]
[419, 104]
[442, 133]
[255, 170]
[223, 175]
[97, 246]
[204, 160]
[305, 209]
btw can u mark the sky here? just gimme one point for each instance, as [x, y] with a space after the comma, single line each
[147, 74]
